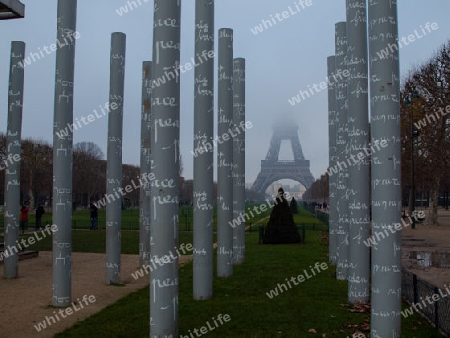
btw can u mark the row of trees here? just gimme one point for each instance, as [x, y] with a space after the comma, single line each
[89, 174]
[425, 113]
[318, 191]
[425, 138]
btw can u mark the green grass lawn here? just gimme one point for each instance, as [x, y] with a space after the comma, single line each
[316, 303]
[130, 217]
[95, 241]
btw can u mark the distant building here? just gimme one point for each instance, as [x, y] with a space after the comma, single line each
[295, 191]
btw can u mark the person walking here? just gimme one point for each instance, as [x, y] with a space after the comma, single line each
[24, 217]
[94, 217]
[39, 212]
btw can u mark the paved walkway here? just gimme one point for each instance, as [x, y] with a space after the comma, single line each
[26, 301]
[428, 246]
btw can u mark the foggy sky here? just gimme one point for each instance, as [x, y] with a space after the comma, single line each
[280, 61]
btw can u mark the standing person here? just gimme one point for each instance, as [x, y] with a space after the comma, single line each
[39, 212]
[24, 217]
[94, 217]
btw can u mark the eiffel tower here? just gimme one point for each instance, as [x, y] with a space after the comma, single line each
[273, 170]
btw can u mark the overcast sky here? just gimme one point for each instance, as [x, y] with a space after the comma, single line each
[280, 61]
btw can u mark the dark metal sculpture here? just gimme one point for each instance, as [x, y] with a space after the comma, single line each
[281, 228]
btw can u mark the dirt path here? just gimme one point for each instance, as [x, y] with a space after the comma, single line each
[26, 300]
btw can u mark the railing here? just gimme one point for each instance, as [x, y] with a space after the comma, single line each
[415, 291]
[318, 213]
[323, 217]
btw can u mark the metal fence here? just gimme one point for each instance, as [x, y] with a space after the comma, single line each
[415, 291]
[323, 217]
[310, 207]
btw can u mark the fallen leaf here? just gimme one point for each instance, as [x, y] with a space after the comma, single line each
[365, 327]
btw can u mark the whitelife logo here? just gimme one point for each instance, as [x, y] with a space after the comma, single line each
[143, 179]
[207, 146]
[394, 47]
[130, 6]
[434, 117]
[379, 235]
[319, 267]
[258, 209]
[33, 57]
[25, 243]
[220, 320]
[166, 259]
[356, 159]
[175, 73]
[76, 125]
[266, 24]
[9, 160]
[430, 300]
[64, 312]
[317, 88]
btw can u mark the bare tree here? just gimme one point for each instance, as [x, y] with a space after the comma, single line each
[318, 191]
[36, 171]
[430, 123]
[130, 177]
[90, 149]
[2, 146]
[86, 171]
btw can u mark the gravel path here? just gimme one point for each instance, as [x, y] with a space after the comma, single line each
[26, 300]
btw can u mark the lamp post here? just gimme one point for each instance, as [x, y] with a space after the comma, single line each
[412, 198]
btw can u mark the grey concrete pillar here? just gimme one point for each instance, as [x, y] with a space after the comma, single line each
[203, 150]
[225, 156]
[342, 152]
[332, 155]
[146, 165]
[166, 155]
[114, 158]
[62, 153]
[358, 140]
[386, 170]
[12, 163]
[238, 135]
